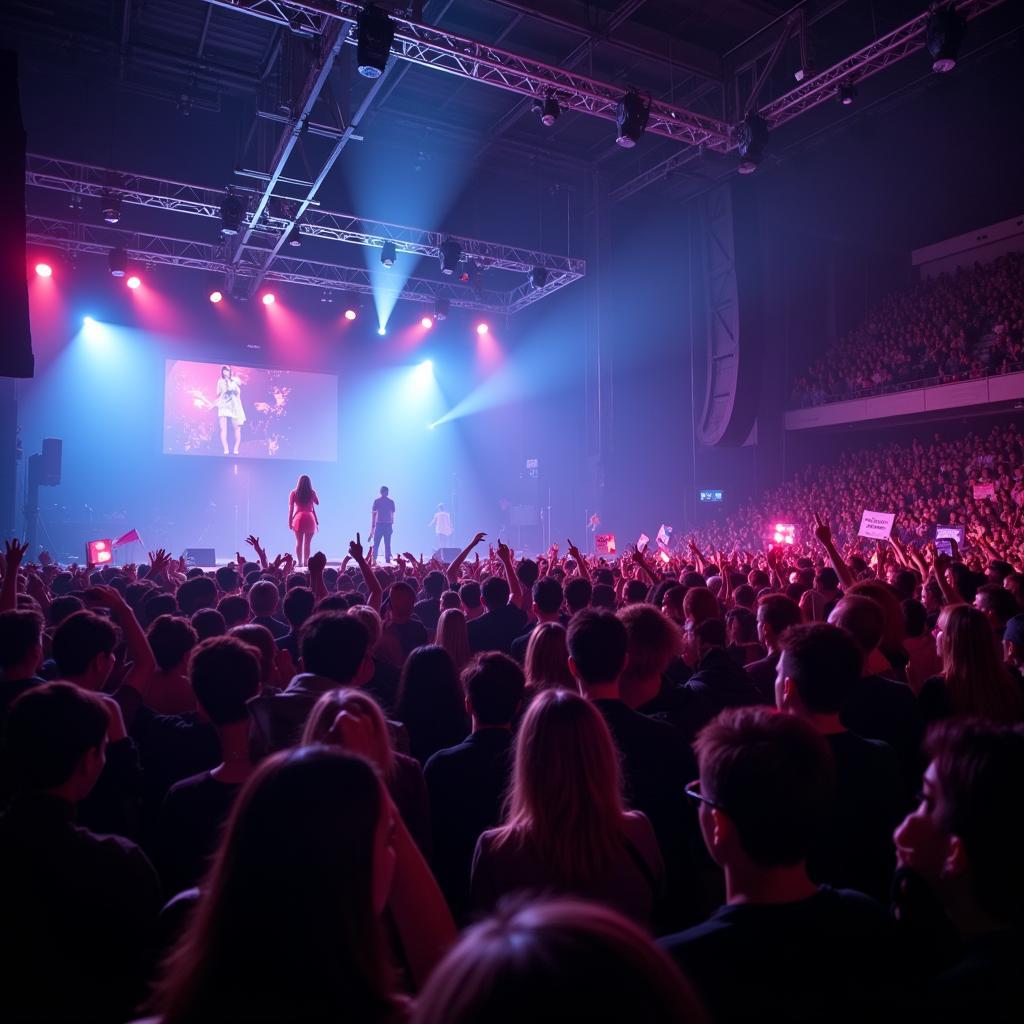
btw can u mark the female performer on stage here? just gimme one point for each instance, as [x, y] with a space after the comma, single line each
[229, 407]
[302, 517]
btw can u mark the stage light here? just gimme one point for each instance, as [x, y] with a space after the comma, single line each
[470, 272]
[99, 552]
[327, 296]
[117, 260]
[450, 254]
[350, 313]
[110, 207]
[482, 328]
[216, 296]
[431, 426]
[44, 270]
[376, 33]
[441, 309]
[134, 282]
[426, 366]
[631, 117]
[538, 277]
[847, 93]
[944, 32]
[426, 322]
[87, 321]
[382, 330]
[388, 254]
[269, 298]
[293, 237]
[783, 533]
[232, 211]
[546, 109]
[753, 137]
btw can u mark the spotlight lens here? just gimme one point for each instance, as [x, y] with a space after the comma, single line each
[482, 328]
[381, 331]
[350, 314]
[133, 282]
[88, 321]
[216, 297]
[427, 322]
[268, 299]
[44, 270]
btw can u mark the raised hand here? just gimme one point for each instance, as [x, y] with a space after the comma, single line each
[253, 542]
[574, 552]
[355, 549]
[317, 562]
[159, 561]
[14, 552]
[504, 552]
[822, 529]
[354, 732]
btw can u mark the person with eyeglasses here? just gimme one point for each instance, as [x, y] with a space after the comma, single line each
[782, 948]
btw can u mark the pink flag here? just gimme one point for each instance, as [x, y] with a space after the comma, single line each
[128, 538]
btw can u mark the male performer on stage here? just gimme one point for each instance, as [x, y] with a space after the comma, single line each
[381, 525]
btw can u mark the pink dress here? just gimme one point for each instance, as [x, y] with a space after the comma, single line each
[303, 519]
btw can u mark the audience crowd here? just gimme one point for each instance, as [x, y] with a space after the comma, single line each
[952, 327]
[737, 784]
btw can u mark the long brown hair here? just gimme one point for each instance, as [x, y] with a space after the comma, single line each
[566, 792]
[453, 636]
[285, 928]
[547, 659]
[304, 490]
[976, 678]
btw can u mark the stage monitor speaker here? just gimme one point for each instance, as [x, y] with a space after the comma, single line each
[15, 335]
[447, 554]
[49, 466]
[524, 515]
[206, 557]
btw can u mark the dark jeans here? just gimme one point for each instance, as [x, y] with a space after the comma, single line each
[382, 533]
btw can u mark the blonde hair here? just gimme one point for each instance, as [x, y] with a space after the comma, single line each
[331, 704]
[453, 636]
[977, 682]
[565, 797]
[370, 618]
[547, 659]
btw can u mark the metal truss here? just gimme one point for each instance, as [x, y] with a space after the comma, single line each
[180, 197]
[882, 53]
[161, 250]
[468, 58]
[885, 51]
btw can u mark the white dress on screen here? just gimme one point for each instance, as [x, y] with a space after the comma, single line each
[229, 399]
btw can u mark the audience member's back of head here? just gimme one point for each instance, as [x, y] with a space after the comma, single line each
[79, 639]
[235, 610]
[578, 593]
[494, 593]
[861, 617]
[653, 640]
[635, 592]
[603, 596]
[915, 617]
[264, 598]
[228, 579]
[434, 583]
[49, 730]
[61, 607]
[21, 632]
[157, 604]
[745, 596]
[170, 639]
[401, 598]
[208, 622]
[824, 664]
[773, 776]
[298, 605]
[547, 596]
[700, 605]
[494, 685]
[560, 959]
[597, 643]
[547, 659]
[527, 572]
[333, 644]
[469, 592]
[261, 640]
[302, 836]
[196, 593]
[225, 673]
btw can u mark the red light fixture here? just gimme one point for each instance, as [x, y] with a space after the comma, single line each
[350, 313]
[216, 296]
[99, 552]
[44, 270]
[427, 322]
[269, 298]
[134, 282]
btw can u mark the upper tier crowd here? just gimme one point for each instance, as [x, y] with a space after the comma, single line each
[772, 785]
[926, 483]
[953, 327]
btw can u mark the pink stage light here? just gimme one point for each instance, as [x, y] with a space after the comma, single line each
[44, 270]
[216, 296]
[134, 282]
[269, 298]
[350, 313]
[427, 322]
[482, 328]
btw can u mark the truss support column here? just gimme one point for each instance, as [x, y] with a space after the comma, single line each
[597, 352]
